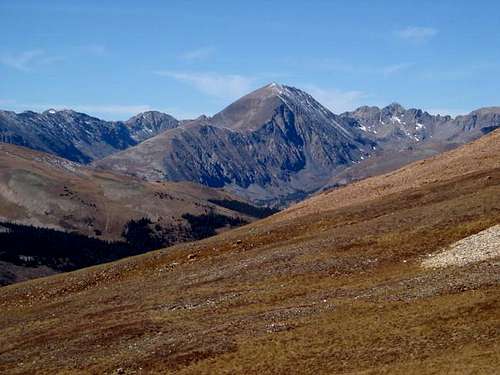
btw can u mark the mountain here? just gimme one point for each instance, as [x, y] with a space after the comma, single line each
[478, 157]
[77, 136]
[396, 127]
[396, 274]
[277, 143]
[45, 191]
[274, 146]
[148, 124]
[406, 135]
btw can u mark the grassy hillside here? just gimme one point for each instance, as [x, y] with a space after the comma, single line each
[67, 200]
[333, 285]
[44, 190]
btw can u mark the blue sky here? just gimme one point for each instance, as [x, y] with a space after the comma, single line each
[116, 58]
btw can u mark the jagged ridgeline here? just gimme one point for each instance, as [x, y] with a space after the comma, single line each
[275, 146]
[77, 136]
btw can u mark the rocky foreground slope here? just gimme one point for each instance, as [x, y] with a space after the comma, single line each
[334, 285]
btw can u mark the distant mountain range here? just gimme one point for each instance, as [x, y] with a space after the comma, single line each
[273, 146]
[396, 127]
[79, 137]
[278, 144]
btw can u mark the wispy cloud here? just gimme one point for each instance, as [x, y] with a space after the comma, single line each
[28, 60]
[22, 61]
[4, 102]
[198, 54]
[94, 49]
[337, 100]
[336, 65]
[462, 71]
[396, 68]
[223, 86]
[417, 34]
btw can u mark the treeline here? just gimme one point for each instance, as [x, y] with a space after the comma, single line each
[31, 246]
[245, 208]
[146, 235]
[205, 225]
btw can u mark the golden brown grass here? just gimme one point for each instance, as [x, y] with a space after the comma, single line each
[339, 292]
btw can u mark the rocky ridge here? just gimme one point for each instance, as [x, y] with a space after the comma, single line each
[77, 136]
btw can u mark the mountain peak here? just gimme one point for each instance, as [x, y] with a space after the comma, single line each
[151, 116]
[395, 108]
[251, 110]
[274, 85]
[258, 107]
[275, 88]
[486, 110]
[150, 123]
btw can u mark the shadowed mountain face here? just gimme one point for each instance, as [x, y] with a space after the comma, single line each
[277, 145]
[77, 136]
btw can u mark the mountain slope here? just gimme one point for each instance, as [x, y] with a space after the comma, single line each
[77, 136]
[273, 146]
[338, 288]
[276, 143]
[45, 191]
